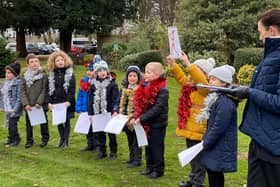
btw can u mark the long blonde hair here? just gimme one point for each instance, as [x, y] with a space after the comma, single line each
[51, 60]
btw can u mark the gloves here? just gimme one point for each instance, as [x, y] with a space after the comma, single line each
[241, 92]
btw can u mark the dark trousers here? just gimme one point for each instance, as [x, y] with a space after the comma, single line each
[215, 178]
[102, 142]
[13, 130]
[135, 152]
[262, 173]
[44, 130]
[155, 150]
[91, 140]
[197, 173]
[64, 130]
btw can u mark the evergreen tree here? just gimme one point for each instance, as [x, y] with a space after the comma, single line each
[222, 25]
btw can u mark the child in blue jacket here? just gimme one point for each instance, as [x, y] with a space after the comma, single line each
[219, 153]
[82, 103]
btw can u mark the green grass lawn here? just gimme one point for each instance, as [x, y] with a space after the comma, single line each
[51, 166]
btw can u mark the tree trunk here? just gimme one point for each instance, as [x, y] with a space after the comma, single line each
[20, 40]
[65, 40]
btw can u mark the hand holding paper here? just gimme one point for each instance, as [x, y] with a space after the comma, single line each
[186, 156]
[36, 116]
[141, 135]
[58, 113]
[82, 124]
[174, 43]
[116, 124]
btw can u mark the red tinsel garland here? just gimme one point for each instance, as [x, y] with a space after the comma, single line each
[84, 86]
[145, 96]
[184, 105]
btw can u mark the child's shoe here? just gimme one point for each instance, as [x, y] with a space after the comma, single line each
[15, 143]
[147, 171]
[185, 184]
[155, 174]
[28, 145]
[113, 156]
[60, 144]
[134, 164]
[43, 144]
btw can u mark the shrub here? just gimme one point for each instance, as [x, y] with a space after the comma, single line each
[6, 57]
[140, 59]
[244, 56]
[220, 59]
[111, 55]
[245, 73]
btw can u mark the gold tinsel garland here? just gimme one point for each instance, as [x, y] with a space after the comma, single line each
[127, 98]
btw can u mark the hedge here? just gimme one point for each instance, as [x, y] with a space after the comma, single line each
[245, 73]
[140, 59]
[244, 56]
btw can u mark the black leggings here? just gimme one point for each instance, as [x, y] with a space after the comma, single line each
[215, 178]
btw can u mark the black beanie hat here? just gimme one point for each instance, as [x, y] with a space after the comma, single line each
[14, 68]
[135, 69]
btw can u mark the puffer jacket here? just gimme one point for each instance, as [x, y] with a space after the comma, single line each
[14, 97]
[220, 140]
[193, 130]
[261, 117]
[83, 92]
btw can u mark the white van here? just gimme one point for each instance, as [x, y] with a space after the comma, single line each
[84, 44]
[80, 42]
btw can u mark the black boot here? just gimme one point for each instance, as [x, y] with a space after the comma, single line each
[65, 143]
[60, 144]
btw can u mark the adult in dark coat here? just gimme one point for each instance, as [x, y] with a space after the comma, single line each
[261, 117]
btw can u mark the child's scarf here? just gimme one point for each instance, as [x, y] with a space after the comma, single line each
[100, 100]
[145, 96]
[30, 76]
[184, 105]
[127, 100]
[208, 102]
[67, 79]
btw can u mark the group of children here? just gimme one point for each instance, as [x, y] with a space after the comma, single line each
[202, 115]
[98, 94]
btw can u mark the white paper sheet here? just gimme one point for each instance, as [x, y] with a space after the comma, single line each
[116, 124]
[174, 43]
[59, 113]
[99, 121]
[218, 88]
[187, 155]
[36, 116]
[141, 135]
[83, 123]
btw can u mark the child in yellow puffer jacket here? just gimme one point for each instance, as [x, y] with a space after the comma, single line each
[190, 103]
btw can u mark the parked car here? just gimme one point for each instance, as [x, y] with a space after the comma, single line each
[53, 47]
[32, 48]
[43, 49]
[11, 46]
